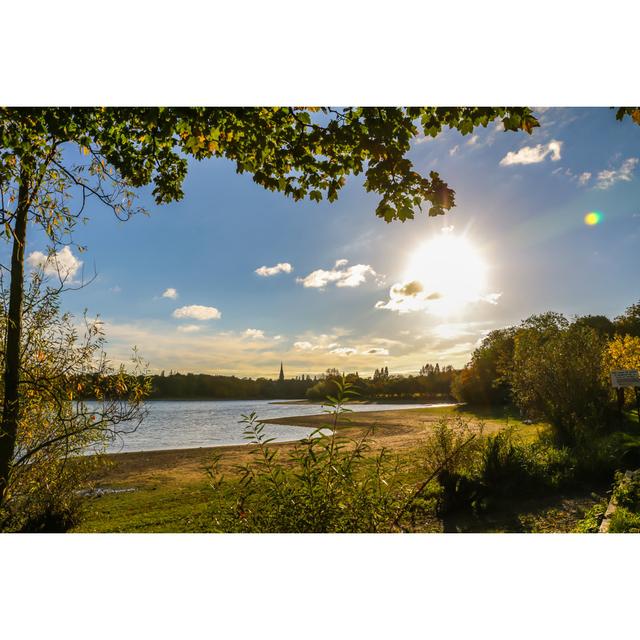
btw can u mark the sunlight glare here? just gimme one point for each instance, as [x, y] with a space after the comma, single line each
[451, 269]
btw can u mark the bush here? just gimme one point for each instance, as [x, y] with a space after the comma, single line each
[330, 483]
[624, 521]
[626, 490]
[592, 519]
[451, 454]
[597, 460]
[56, 427]
[52, 509]
[508, 467]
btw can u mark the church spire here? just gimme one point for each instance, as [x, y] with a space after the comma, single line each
[281, 377]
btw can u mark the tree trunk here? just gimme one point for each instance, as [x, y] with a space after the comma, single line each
[11, 407]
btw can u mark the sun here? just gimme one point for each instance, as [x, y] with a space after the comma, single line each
[451, 271]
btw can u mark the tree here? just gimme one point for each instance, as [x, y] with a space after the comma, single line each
[601, 324]
[483, 381]
[622, 352]
[629, 322]
[557, 376]
[60, 366]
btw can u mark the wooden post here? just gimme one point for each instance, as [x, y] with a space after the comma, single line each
[620, 397]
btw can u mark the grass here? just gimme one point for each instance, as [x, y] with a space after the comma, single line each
[171, 491]
[158, 509]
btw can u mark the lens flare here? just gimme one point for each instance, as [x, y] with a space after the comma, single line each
[593, 218]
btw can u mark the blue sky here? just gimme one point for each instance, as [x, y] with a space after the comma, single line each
[519, 223]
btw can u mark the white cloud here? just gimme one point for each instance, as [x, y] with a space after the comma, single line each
[533, 155]
[303, 346]
[491, 298]
[584, 177]
[344, 351]
[189, 328]
[377, 351]
[453, 150]
[343, 277]
[408, 296]
[281, 267]
[197, 312]
[412, 296]
[473, 139]
[254, 334]
[624, 173]
[170, 293]
[62, 264]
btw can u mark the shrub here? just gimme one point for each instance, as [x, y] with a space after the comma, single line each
[627, 490]
[592, 519]
[451, 454]
[624, 521]
[330, 483]
[509, 467]
[56, 427]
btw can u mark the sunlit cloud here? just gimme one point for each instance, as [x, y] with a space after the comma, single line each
[189, 328]
[377, 351]
[254, 334]
[344, 351]
[624, 173]
[443, 276]
[533, 155]
[170, 293]
[281, 267]
[584, 177]
[197, 312]
[341, 275]
[59, 264]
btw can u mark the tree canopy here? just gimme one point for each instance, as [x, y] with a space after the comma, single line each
[302, 152]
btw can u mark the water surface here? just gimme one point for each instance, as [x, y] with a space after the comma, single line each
[208, 423]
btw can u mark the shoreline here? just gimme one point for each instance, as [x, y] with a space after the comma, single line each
[312, 421]
[301, 401]
[395, 428]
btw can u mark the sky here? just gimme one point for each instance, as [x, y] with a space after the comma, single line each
[234, 279]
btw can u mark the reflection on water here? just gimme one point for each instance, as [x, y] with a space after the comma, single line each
[207, 423]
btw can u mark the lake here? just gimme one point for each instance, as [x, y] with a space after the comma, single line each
[208, 423]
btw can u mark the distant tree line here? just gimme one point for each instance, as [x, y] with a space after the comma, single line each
[432, 384]
[201, 386]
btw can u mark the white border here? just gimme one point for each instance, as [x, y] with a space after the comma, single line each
[335, 52]
[338, 52]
